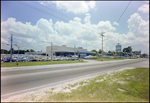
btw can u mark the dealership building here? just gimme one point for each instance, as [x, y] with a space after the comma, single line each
[66, 51]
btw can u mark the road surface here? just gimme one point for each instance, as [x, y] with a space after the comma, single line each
[17, 80]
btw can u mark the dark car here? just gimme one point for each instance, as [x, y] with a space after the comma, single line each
[33, 60]
[8, 60]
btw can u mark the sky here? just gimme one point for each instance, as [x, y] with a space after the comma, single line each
[78, 23]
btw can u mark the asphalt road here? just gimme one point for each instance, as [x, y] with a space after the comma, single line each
[23, 79]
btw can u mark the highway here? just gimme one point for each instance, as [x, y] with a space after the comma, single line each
[17, 80]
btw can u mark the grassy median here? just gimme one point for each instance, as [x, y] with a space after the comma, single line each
[106, 59]
[130, 85]
[14, 64]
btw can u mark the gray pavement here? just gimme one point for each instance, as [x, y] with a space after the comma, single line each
[24, 79]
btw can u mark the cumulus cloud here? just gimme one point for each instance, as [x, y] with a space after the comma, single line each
[115, 23]
[138, 26]
[85, 34]
[75, 6]
[139, 30]
[87, 18]
[144, 8]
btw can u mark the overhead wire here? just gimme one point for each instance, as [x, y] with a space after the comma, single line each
[66, 16]
[42, 12]
[25, 4]
[123, 27]
[53, 10]
[122, 14]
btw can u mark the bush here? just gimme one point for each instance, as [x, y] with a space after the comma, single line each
[93, 58]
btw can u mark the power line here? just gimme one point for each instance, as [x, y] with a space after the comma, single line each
[123, 11]
[54, 10]
[39, 10]
[122, 14]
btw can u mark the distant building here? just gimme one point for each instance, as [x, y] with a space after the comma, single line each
[35, 53]
[118, 47]
[66, 51]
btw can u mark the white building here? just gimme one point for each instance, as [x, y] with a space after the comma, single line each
[65, 51]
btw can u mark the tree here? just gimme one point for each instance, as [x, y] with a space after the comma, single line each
[128, 49]
[31, 50]
[92, 54]
[109, 51]
[100, 51]
[27, 50]
[144, 55]
[78, 53]
[94, 51]
[136, 52]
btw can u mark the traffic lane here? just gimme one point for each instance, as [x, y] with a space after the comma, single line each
[42, 75]
[39, 80]
[16, 72]
[27, 71]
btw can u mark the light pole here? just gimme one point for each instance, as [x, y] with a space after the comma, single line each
[11, 48]
[18, 49]
[51, 50]
[74, 52]
[102, 43]
[51, 47]
[3, 46]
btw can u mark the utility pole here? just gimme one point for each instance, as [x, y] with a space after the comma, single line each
[51, 47]
[74, 52]
[3, 47]
[102, 43]
[18, 50]
[51, 51]
[11, 49]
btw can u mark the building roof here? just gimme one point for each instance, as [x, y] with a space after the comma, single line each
[86, 52]
[63, 51]
[73, 51]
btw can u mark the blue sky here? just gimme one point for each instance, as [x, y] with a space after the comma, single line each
[79, 23]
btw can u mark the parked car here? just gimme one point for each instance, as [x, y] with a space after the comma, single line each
[33, 60]
[86, 57]
[22, 60]
[8, 60]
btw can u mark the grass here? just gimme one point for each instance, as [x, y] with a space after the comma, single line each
[106, 59]
[134, 82]
[13, 64]
[131, 85]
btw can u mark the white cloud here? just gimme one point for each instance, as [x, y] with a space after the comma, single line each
[85, 35]
[139, 30]
[75, 6]
[91, 4]
[45, 2]
[138, 26]
[77, 19]
[115, 23]
[144, 8]
[87, 18]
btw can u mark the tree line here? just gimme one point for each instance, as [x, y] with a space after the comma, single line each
[125, 51]
[3, 51]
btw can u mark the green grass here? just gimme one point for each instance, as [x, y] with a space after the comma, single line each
[106, 59]
[13, 64]
[136, 88]
[105, 88]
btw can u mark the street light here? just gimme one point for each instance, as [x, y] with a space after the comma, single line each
[3, 46]
[51, 47]
[18, 49]
[102, 43]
